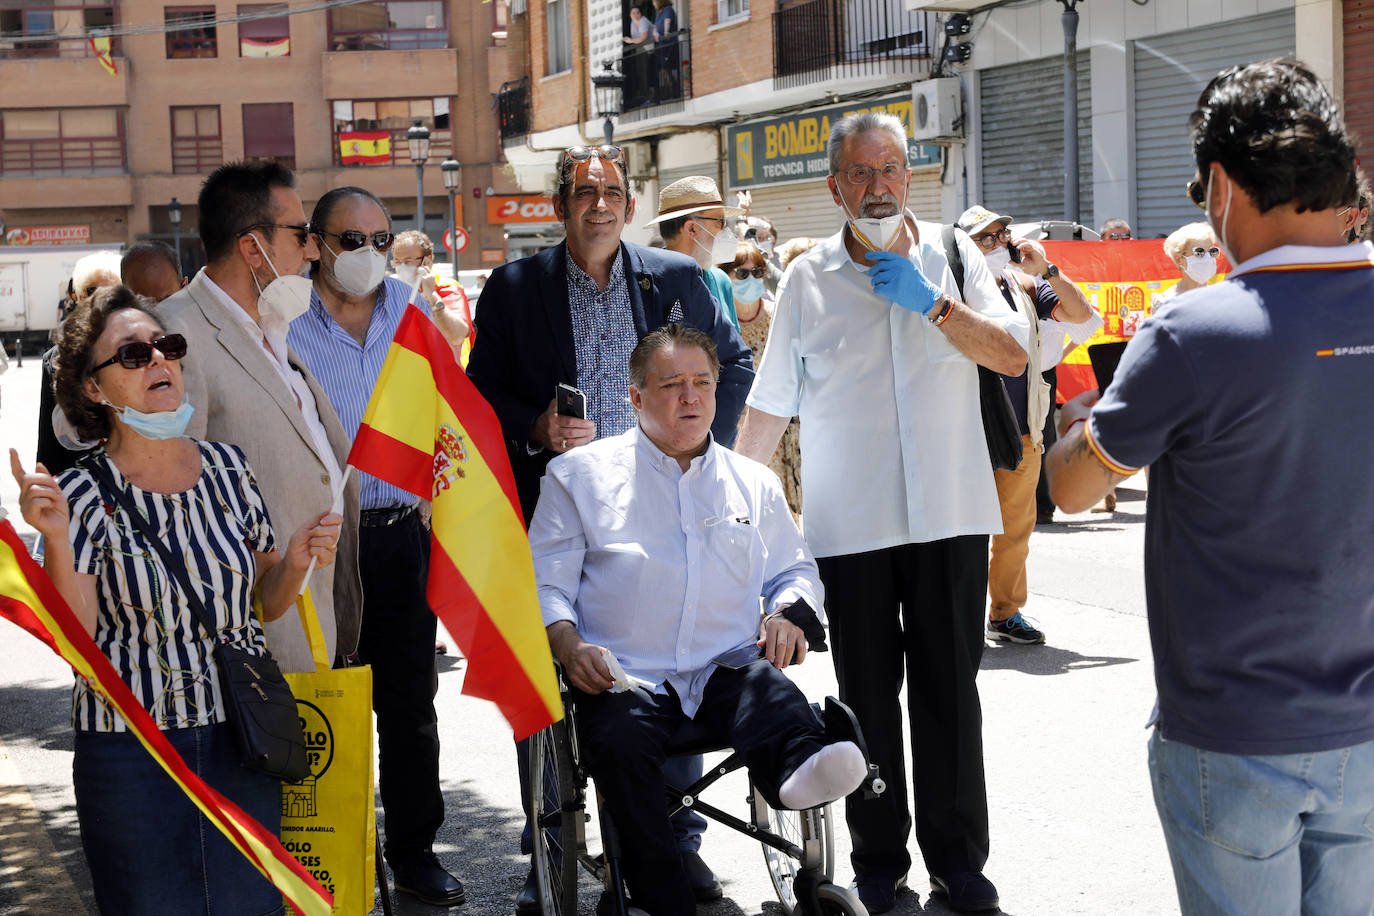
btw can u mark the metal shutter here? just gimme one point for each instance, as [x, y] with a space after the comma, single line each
[806, 208]
[1022, 139]
[1170, 73]
[1358, 24]
[667, 176]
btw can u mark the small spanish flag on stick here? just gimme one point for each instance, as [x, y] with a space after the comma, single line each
[29, 599]
[427, 430]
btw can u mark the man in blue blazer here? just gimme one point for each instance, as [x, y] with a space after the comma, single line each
[572, 314]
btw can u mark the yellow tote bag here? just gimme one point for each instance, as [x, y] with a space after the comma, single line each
[329, 820]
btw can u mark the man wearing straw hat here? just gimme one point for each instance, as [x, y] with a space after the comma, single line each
[692, 220]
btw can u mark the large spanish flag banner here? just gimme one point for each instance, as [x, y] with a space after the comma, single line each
[365, 147]
[29, 599]
[1123, 281]
[427, 430]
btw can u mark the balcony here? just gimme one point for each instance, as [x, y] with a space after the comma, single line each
[659, 73]
[368, 151]
[513, 110]
[62, 156]
[819, 40]
[366, 74]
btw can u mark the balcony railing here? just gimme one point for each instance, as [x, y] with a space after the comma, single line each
[817, 40]
[66, 156]
[659, 72]
[196, 155]
[37, 47]
[513, 110]
[440, 147]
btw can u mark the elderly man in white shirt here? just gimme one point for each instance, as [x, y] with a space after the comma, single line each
[652, 550]
[874, 346]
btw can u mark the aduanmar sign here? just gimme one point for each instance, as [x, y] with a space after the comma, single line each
[777, 150]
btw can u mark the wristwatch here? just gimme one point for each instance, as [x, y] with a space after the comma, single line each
[1050, 272]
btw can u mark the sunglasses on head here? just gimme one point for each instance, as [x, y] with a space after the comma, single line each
[744, 273]
[138, 353]
[302, 230]
[352, 239]
[604, 153]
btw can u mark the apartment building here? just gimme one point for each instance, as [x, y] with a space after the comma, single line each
[745, 91]
[95, 150]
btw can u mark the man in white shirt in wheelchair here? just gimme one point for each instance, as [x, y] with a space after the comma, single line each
[652, 551]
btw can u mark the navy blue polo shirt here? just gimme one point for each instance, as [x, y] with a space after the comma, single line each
[1252, 401]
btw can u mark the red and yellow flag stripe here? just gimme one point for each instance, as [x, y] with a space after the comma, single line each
[29, 598]
[427, 430]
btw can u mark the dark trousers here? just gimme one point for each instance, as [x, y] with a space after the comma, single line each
[397, 640]
[755, 709]
[915, 609]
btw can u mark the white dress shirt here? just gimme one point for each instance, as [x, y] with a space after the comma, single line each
[665, 567]
[890, 420]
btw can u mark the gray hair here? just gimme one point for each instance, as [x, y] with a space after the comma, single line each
[859, 124]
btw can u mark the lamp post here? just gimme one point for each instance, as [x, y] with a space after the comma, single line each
[417, 138]
[452, 170]
[174, 215]
[610, 86]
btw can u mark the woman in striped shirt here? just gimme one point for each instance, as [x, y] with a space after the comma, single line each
[117, 378]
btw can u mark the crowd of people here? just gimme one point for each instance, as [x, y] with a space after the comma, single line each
[679, 540]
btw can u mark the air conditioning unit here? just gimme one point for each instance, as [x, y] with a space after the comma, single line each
[639, 162]
[936, 109]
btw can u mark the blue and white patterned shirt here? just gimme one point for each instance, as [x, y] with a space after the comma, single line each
[604, 335]
[348, 372]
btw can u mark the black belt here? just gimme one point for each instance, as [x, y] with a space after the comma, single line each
[381, 518]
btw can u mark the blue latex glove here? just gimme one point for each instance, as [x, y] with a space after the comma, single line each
[895, 277]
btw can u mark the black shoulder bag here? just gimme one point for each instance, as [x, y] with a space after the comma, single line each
[999, 418]
[259, 705]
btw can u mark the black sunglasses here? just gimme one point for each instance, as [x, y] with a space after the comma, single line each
[352, 239]
[302, 230]
[604, 153]
[138, 353]
[744, 273]
[1197, 193]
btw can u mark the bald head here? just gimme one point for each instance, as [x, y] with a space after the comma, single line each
[151, 270]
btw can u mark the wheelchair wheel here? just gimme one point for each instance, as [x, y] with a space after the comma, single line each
[554, 794]
[782, 868]
[839, 901]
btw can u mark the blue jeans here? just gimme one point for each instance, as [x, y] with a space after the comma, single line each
[1262, 835]
[149, 848]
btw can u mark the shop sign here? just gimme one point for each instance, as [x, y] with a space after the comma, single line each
[48, 235]
[520, 208]
[777, 150]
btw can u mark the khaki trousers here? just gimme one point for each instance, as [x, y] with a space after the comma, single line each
[1007, 567]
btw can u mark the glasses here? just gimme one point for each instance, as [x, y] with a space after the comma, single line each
[302, 231]
[138, 353]
[861, 174]
[1197, 193]
[744, 273]
[1206, 252]
[604, 153]
[992, 239]
[1117, 236]
[352, 239]
[708, 219]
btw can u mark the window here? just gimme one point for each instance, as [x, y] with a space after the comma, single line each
[499, 24]
[264, 31]
[190, 31]
[53, 20]
[731, 9]
[40, 142]
[197, 145]
[373, 132]
[560, 37]
[269, 132]
[389, 25]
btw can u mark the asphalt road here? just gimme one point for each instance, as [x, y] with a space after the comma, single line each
[1073, 826]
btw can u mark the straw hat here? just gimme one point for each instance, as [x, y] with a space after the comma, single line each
[690, 195]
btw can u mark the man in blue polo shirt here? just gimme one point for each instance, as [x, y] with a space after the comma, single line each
[1250, 400]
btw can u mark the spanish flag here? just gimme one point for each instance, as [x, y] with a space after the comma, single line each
[101, 47]
[427, 430]
[29, 599]
[365, 147]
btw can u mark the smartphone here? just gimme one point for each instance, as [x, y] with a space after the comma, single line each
[1104, 358]
[1015, 253]
[571, 401]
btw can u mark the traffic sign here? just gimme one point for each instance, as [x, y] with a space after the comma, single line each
[462, 240]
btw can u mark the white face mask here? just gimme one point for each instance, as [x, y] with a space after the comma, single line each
[723, 246]
[284, 298]
[1201, 269]
[878, 233]
[358, 272]
[766, 248]
[998, 259]
[407, 273]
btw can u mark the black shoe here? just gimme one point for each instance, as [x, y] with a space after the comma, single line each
[966, 891]
[425, 878]
[527, 901]
[705, 887]
[877, 893]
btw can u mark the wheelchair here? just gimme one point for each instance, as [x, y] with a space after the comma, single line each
[798, 846]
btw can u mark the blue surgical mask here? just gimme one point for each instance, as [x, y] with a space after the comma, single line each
[747, 290]
[163, 424]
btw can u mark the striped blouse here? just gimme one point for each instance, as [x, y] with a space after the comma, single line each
[143, 623]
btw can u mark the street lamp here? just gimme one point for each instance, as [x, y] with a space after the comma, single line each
[174, 214]
[452, 170]
[610, 86]
[417, 138]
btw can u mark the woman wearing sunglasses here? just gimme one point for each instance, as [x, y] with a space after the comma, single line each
[1194, 249]
[117, 377]
[754, 308]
